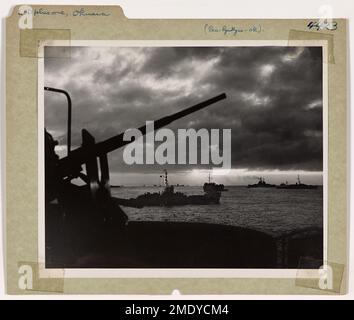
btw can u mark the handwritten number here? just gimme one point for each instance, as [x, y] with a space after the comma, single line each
[312, 25]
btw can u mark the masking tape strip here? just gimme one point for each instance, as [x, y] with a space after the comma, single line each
[330, 276]
[31, 38]
[296, 35]
[30, 280]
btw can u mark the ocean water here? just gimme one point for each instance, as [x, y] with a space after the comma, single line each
[275, 211]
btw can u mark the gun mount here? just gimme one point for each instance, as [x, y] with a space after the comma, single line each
[86, 227]
[69, 167]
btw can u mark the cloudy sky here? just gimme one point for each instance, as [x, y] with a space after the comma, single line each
[273, 105]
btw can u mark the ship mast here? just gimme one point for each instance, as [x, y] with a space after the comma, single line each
[166, 180]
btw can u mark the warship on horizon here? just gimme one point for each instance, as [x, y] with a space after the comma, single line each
[297, 185]
[261, 184]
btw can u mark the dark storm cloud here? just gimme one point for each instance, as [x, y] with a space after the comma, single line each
[162, 62]
[273, 106]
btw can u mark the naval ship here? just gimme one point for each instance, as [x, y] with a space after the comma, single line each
[211, 186]
[297, 185]
[168, 197]
[261, 184]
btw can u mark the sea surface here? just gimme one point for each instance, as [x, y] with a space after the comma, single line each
[275, 211]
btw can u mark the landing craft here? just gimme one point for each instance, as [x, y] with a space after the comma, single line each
[212, 186]
[171, 198]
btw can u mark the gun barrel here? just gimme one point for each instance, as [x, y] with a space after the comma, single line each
[78, 156]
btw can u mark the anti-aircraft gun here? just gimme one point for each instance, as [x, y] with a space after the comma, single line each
[86, 227]
[93, 201]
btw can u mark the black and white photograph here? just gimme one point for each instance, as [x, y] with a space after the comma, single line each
[187, 156]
